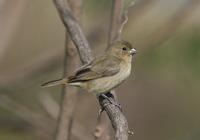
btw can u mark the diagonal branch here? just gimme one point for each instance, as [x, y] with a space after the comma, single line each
[74, 30]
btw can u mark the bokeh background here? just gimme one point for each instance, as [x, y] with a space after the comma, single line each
[161, 99]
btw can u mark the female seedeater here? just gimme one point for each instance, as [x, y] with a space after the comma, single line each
[103, 73]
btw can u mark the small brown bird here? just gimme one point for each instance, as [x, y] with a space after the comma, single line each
[103, 73]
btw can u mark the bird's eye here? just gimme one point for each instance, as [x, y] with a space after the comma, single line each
[124, 48]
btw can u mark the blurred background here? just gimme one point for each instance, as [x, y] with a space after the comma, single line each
[161, 99]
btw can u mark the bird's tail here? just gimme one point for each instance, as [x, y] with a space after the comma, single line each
[55, 83]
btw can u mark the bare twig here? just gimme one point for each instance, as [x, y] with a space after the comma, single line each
[123, 19]
[119, 17]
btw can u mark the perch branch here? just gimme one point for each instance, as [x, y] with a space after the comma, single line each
[117, 118]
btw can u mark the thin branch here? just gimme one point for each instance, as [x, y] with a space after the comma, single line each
[69, 100]
[123, 20]
[71, 62]
[74, 30]
[119, 17]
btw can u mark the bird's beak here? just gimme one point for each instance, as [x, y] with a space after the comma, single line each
[133, 51]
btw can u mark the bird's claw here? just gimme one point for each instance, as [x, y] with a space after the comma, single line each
[111, 101]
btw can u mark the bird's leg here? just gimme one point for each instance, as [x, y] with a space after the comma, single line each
[111, 101]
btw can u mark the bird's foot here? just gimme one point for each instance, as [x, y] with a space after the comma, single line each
[111, 101]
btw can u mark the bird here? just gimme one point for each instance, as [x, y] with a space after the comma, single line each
[103, 73]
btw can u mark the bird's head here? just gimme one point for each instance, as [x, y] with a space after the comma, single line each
[122, 49]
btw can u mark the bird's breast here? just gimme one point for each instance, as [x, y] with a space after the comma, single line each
[105, 84]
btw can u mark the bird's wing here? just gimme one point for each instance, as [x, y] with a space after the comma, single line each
[101, 67]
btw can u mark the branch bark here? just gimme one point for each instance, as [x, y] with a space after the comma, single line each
[74, 30]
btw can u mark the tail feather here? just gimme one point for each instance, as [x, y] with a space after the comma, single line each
[55, 83]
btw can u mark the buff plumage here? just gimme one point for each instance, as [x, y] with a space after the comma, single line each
[103, 73]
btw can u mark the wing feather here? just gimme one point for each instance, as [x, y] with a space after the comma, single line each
[100, 67]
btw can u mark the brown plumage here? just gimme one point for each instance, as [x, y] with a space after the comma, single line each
[103, 73]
